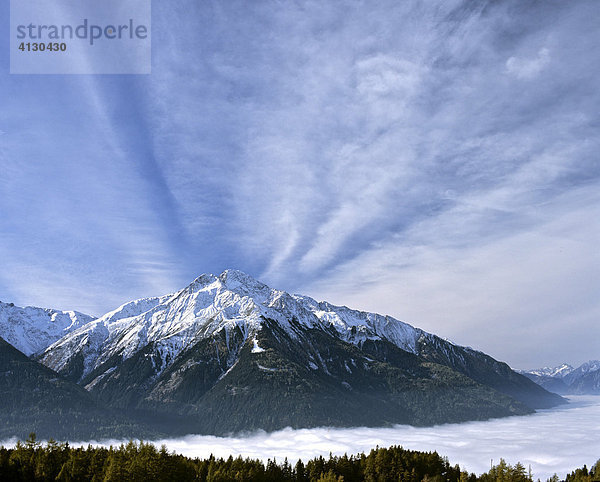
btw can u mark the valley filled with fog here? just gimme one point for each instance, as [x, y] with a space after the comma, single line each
[551, 441]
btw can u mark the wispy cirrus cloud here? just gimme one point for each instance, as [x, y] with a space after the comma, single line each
[335, 149]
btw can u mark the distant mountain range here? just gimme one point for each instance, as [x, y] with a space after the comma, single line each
[566, 380]
[228, 354]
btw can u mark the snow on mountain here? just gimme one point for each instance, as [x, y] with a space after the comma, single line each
[89, 341]
[208, 305]
[565, 379]
[230, 353]
[357, 326]
[582, 370]
[566, 372]
[557, 372]
[31, 329]
[590, 366]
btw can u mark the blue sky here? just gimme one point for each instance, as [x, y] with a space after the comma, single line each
[436, 161]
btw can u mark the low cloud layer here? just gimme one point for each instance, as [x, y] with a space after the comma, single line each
[551, 441]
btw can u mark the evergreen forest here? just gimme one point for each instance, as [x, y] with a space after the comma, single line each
[140, 461]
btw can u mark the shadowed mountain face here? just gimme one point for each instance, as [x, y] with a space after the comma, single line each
[313, 380]
[228, 353]
[34, 398]
[29, 382]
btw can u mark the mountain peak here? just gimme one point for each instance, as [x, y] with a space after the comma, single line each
[230, 344]
[236, 274]
[565, 379]
[559, 371]
[32, 329]
[233, 278]
[591, 365]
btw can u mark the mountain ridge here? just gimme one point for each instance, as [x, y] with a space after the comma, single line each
[35, 398]
[254, 299]
[234, 354]
[567, 380]
[31, 329]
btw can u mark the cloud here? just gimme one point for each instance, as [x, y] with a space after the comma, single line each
[528, 68]
[305, 143]
[480, 286]
[551, 441]
[387, 76]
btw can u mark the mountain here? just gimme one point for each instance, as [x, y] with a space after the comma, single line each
[229, 354]
[32, 330]
[566, 380]
[557, 372]
[551, 384]
[37, 399]
[587, 384]
[581, 372]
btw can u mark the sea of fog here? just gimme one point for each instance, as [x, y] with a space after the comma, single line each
[550, 441]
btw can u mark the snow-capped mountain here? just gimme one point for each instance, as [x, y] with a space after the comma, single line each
[567, 380]
[229, 353]
[559, 372]
[211, 304]
[32, 330]
[581, 371]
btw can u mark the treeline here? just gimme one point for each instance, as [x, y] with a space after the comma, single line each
[32, 461]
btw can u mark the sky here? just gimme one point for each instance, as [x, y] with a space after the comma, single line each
[434, 161]
[555, 441]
